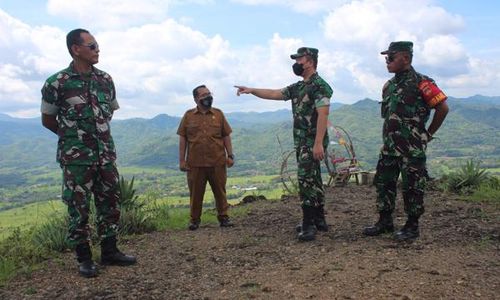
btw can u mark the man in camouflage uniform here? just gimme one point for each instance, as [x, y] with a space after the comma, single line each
[310, 106]
[77, 104]
[407, 100]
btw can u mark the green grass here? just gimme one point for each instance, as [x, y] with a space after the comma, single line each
[37, 213]
[494, 170]
[29, 215]
[19, 255]
[178, 218]
[33, 232]
[23, 249]
[486, 192]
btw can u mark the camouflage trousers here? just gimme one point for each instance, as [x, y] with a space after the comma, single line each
[413, 175]
[311, 191]
[79, 184]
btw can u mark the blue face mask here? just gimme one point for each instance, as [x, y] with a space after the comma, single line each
[207, 101]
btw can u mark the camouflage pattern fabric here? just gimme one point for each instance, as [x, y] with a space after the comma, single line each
[405, 138]
[405, 113]
[79, 184]
[84, 105]
[306, 97]
[311, 189]
[413, 174]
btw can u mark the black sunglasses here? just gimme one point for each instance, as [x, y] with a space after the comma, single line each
[390, 58]
[93, 46]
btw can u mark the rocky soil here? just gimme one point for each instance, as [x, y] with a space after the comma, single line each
[456, 257]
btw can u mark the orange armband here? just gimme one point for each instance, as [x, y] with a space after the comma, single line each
[431, 93]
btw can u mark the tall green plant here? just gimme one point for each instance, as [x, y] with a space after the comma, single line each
[128, 197]
[468, 178]
[135, 218]
[52, 234]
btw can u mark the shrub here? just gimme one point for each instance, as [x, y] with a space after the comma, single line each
[21, 251]
[52, 234]
[18, 254]
[135, 218]
[129, 200]
[467, 179]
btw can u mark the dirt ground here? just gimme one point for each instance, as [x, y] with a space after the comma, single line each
[456, 257]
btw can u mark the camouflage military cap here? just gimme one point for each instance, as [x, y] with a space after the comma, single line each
[305, 51]
[399, 47]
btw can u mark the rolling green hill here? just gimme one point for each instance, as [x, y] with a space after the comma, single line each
[471, 130]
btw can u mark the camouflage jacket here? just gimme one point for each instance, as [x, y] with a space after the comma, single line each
[306, 96]
[405, 113]
[84, 105]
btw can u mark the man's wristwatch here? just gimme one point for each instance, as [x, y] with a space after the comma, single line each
[231, 156]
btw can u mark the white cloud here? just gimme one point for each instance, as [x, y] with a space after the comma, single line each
[16, 93]
[9, 81]
[444, 55]
[26, 54]
[483, 78]
[114, 14]
[160, 63]
[305, 7]
[442, 49]
[364, 28]
[156, 60]
[109, 13]
[376, 23]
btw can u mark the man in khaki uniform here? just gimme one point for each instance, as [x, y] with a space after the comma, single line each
[204, 151]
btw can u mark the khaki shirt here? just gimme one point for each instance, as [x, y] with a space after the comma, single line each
[204, 133]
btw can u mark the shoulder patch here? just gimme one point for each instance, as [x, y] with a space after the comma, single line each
[431, 93]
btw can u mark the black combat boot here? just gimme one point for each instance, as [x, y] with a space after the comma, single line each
[383, 225]
[308, 229]
[86, 266]
[193, 225]
[319, 220]
[110, 255]
[409, 231]
[226, 222]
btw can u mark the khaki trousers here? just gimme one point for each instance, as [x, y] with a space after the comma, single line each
[197, 178]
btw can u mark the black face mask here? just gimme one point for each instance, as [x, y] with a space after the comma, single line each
[298, 69]
[207, 101]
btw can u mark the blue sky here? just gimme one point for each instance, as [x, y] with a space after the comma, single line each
[157, 51]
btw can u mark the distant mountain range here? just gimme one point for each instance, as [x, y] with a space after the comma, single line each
[471, 130]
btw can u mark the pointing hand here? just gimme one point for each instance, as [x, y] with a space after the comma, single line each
[242, 90]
